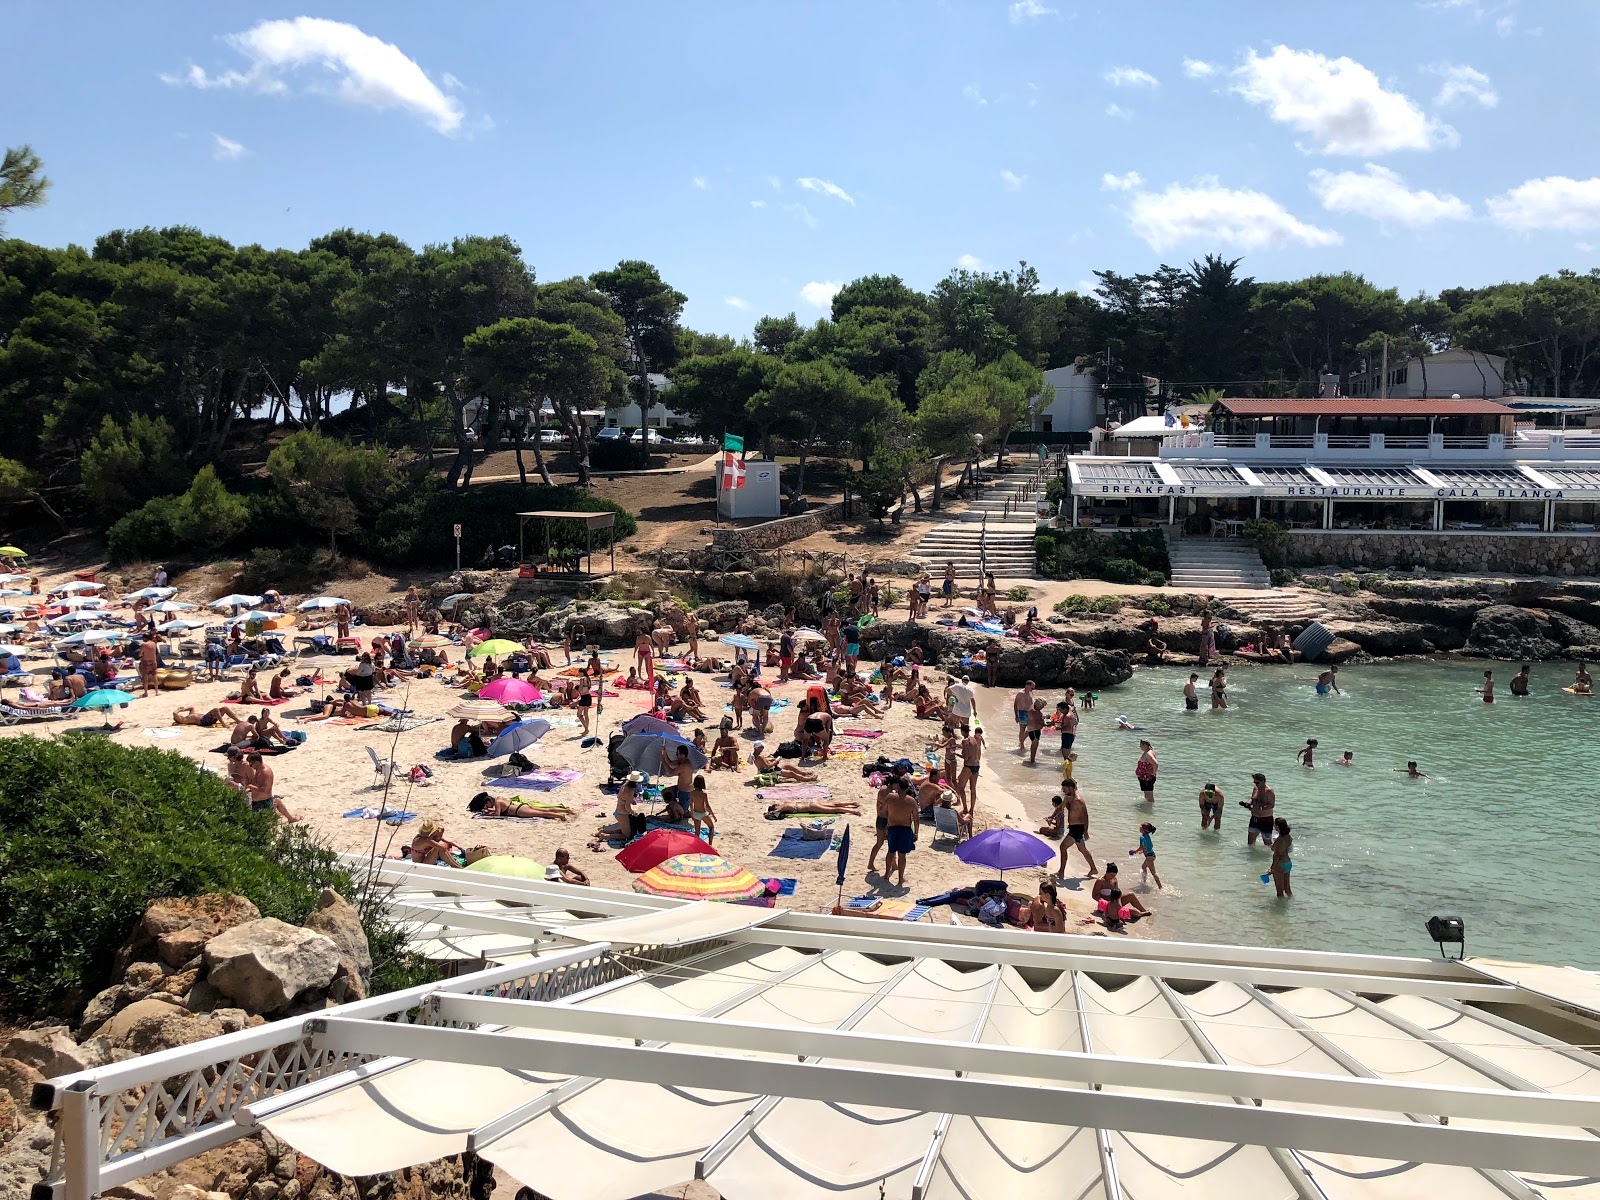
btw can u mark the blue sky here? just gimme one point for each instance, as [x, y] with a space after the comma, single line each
[760, 154]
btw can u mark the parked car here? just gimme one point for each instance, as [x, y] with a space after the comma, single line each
[553, 437]
[653, 436]
[692, 441]
[610, 434]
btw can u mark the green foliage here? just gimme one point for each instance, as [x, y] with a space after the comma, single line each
[1270, 539]
[208, 515]
[1157, 606]
[128, 463]
[1281, 576]
[1020, 592]
[1126, 556]
[91, 831]
[1072, 604]
[332, 484]
[417, 528]
[22, 182]
[148, 532]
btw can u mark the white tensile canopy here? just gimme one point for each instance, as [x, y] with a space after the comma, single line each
[632, 1043]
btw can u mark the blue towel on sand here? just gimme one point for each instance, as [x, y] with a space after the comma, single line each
[391, 818]
[785, 886]
[792, 845]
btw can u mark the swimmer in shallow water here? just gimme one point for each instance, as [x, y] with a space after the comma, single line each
[1519, 682]
[1328, 681]
[1487, 690]
[1410, 771]
[1347, 760]
[1305, 756]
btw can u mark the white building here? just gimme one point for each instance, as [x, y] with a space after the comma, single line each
[1070, 404]
[1433, 377]
[629, 416]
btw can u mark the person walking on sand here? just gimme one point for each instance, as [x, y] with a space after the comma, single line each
[1145, 771]
[971, 764]
[1021, 706]
[644, 655]
[949, 584]
[1036, 721]
[700, 809]
[1487, 690]
[1147, 847]
[1261, 803]
[1519, 682]
[1282, 860]
[1219, 689]
[1211, 798]
[1077, 817]
[1191, 696]
[1305, 756]
[900, 810]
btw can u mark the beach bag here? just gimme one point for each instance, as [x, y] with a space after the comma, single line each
[816, 831]
[788, 750]
[993, 912]
[296, 737]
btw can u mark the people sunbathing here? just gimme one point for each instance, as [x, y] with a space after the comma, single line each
[334, 709]
[221, 715]
[430, 848]
[845, 808]
[494, 806]
[725, 752]
[279, 688]
[786, 771]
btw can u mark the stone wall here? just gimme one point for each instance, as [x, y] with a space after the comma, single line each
[771, 535]
[1492, 551]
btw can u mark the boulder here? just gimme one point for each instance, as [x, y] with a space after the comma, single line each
[146, 975]
[1501, 631]
[1569, 631]
[1428, 610]
[265, 964]
[1383, 638]
[722, 615]
[211, 914]
[105, 1005]
[154, 1023]
[670, 612]
[337, 919]
[25, 1158]
[181, 946]
[17, 1080]
[50, 1051]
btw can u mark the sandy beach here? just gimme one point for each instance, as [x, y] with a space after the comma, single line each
[332, 774]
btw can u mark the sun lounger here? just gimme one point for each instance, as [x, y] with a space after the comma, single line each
[11, 714]
[880, 909]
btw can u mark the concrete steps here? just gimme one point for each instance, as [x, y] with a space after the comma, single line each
[1280, 608]
[1009, 548]
[1206, 564]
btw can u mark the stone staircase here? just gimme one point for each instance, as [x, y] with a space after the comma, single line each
[996, 528]
[1216, 564]
[1278, 607]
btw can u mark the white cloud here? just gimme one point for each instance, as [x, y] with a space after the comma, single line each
[1121, 183]
[1198, 68]
[802, 214]
[1382, 195]
[1339, 102]
[226, 149]
[451, 82]
[758, 204]
[1012, 181]
[700, 182]
[821, 294]
[1116, 110]
[1206, 212]
[1552, 203]
[1130, 77]
[774, 182]
[1461, 84]
[365, 70]
[738, 302]
[972, 93]
[827, 187]
[1033, 95]
[971, 262]
[1024, 10]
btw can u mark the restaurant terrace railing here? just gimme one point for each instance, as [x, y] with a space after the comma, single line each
[1550, 444]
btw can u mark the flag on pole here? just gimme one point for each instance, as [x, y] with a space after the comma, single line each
[733, 443]
[732, 470]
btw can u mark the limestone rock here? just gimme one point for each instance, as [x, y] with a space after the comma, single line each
[1501, 631]
[203, 998]
[50, 1051]
[211, 914]
[1383, 638]
[1569, 631]
[180, 946]
[105, 1005]
[155, 1023]
[721, 616]
[17, 1080]
[180, 982]
[337, 919]
[145, 975]
[188, 1191]
[133, 1190]
[25, 1158]
[265, 964]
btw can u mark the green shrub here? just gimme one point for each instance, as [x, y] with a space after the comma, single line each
[1122, 570]
[1020, 592]
[1086, 554]
[1157, 606]
[1072, 604]
[1271, 541]
[91, 832]
[1281, 576]
[614, 454]
[1106, 604]
[128, 463]
[208, 514]
[147, 533]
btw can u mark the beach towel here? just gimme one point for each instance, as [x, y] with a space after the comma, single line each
[792, 845]
[794, 791]
[541, 781]
[869, 734]
[372, 813]
[267, 753]
[399, 724]
[785, 886]
[552, 804]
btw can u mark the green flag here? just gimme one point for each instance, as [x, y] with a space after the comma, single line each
[733, 443]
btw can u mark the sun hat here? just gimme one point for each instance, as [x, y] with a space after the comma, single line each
[635, 776]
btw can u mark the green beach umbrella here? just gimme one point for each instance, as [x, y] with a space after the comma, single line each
[508, 864]
[494, 646]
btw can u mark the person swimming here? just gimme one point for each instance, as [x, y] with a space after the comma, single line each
[1487, 690]
[1348, 759]
[1328, 682]
[1410, 771]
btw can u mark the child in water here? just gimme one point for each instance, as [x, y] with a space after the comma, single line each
[1305, 756]
[1147, 847]
[1349, 759]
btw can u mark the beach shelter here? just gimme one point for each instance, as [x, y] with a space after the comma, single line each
[700, 877]
[1005, 850]
[12, 577]
[320, 602]
[655, 847]
[452, 601]
[152, 593]
[103, 698]
[12, 649]
[739, 641]
[90, 637]
[12, 552]
[494, 646]
[81, 602]
[645, 723]
[480, 710]
[519, 736]
[809, 635]
[172, 606]
[655, 753]
[236, 600]
[508, 690]
[76, 587]
[180, 626]
[430, 641]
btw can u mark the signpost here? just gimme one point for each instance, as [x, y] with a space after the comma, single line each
[458, 547]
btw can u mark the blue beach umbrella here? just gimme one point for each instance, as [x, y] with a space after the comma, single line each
[656, 753]
[104, 698]
[739, 641]
[519, 736]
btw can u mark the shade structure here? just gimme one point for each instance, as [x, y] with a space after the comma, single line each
[1005, 850]
[431, 641]
[76, 587]
[172, 606]
[102, 698]
[81, 602]
[513, 865]
[12, 552]
[519, 736]
[152, 593]
[256, 614]
[320, 602]
[656, 753]
[480, 710]
[12, 577]
[700, 877]
[180, 626]
[645, 723]
[739, 641]
[809, 635]
[494, 646]
[452, 601]
[236, 600]
[655, 847]
[6, 628]
[90, 637]
[510, 691]
[9, 648]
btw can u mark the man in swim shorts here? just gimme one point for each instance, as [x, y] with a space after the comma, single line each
[1261, 802]
[1077, 834]
[1519, 681]
[1021, 706]
[900, 810]
[1191, 697]
[1211, 806]
[1327, 682]
[972, 762]
[1067, 722]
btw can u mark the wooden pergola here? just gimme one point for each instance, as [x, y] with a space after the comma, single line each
[590, 521]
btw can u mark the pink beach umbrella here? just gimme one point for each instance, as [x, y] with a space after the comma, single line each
[510, 691]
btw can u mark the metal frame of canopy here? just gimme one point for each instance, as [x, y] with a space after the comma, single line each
[590, 522]
[565, 1011]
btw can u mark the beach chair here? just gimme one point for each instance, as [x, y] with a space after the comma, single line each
[947, 823]
[383, 769]
[10, 714]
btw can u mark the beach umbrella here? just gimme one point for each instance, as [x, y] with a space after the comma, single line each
[320, 602]
[12, 552]
[494, 646]
[104, 698]
[81, 602]
[739, 641]
[519, 736]
[236, 600]
[12, 577]
[655, 753]
[1005, 850]
[809, 635]
[452, 601]
[700, 877]
[508, 690]
[256, 614]
[645, 723]
[75, 587]
[14, 592]
[90, 637]
[180, 626]
[6, 648]
[171, 606]
[431, 641]
[12, 628]
[655, 847]
[512, 865]
[480, 710]
[152, 593]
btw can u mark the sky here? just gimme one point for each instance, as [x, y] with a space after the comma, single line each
[761, 154]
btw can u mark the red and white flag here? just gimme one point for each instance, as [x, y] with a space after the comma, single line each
[732, 470]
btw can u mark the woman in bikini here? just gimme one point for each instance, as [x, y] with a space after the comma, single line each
[216, 716]
[789, 774]
[778, 811]
[279, 688]
[1219, 689]
[430, 848]
[700, 809]
[495, 807]
[1049, 916]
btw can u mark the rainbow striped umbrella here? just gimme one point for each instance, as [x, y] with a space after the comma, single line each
[700, 877]
[431, 641]
[481, 710]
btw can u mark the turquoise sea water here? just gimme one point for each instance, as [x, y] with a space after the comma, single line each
[1503, 835]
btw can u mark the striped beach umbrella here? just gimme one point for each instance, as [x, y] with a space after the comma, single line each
[481, 710]
[431, 641]
[700, 877]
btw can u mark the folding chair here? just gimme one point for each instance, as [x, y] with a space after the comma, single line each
[383, 769]
[947, 823]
